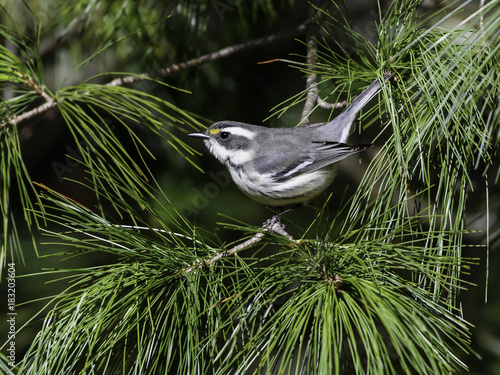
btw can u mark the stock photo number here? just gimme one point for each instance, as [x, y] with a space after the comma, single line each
[11, 314]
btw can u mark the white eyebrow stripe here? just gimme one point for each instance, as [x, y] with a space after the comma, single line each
[236, 130]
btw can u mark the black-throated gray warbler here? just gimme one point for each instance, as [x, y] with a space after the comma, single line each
[286, 166]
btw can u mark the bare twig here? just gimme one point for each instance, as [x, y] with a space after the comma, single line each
[311, 84]
[49, 103]
[225, 52]
[326, 105]
[313, 99]
[273, 225]
[29, 114]
[311, 81]
[481, 20]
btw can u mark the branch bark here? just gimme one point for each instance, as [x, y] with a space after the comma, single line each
[313, 99]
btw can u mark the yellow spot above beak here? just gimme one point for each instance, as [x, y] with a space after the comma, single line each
[214, 131]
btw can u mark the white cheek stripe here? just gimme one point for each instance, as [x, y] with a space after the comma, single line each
[224, 155]
[241, 156]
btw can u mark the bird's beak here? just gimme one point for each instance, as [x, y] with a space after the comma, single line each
[199, 135]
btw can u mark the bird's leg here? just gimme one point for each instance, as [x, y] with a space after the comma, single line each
[275, 225]
[290, 209]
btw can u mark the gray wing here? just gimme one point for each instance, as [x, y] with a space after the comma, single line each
[285, 165]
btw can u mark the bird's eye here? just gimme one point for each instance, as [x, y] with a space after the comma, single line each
[224, 135]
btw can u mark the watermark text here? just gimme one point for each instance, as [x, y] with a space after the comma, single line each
[11, 314]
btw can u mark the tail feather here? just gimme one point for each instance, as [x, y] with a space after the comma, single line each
[342, 124]
[362, 99]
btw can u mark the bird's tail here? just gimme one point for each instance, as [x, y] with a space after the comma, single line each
[342, 124]
[362, 99]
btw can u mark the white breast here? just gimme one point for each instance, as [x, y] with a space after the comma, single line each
[299, 189]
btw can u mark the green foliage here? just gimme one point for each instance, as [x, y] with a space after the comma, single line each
[370, 289]
[88, 110]
[157, 308]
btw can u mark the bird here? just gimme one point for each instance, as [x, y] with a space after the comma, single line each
[283, 167]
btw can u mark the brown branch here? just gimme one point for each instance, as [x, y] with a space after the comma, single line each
[313, 99]
[224, 52]
[273, 225]
[481, 20]
[311, 82]
[49, 103]
[29, 114]
[326, 105]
